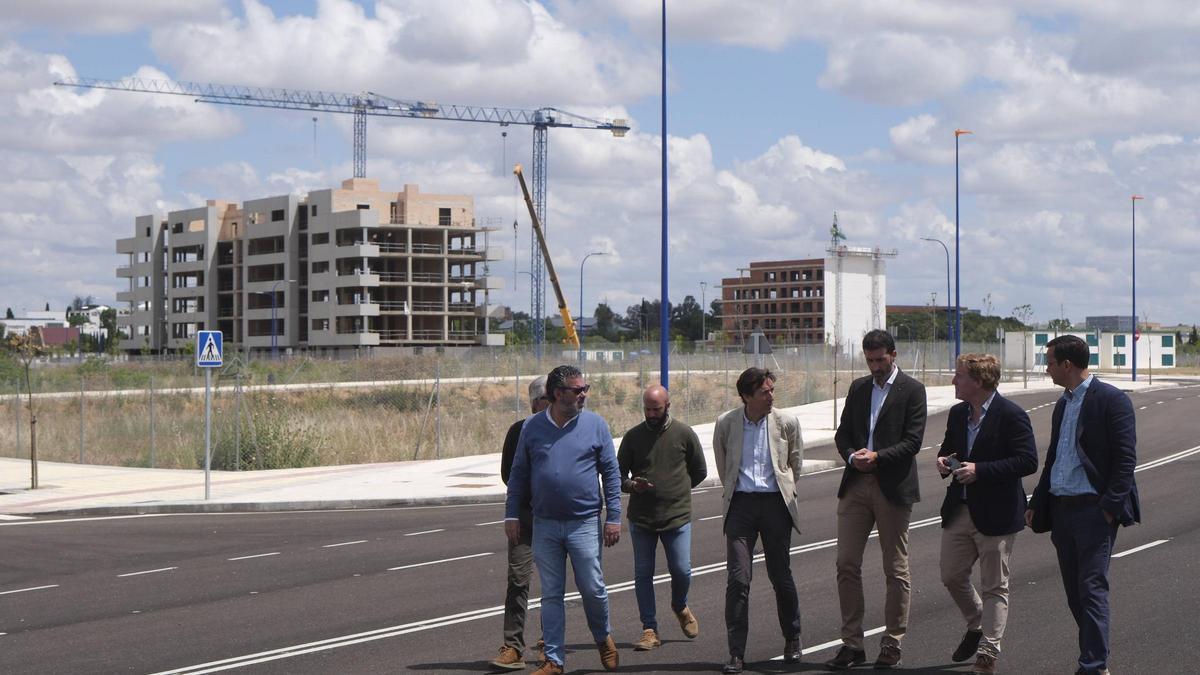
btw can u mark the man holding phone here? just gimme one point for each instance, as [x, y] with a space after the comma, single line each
[661, 460]
[988, 448]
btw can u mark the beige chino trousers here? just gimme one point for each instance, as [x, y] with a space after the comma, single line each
[860, 510]
[985, 609]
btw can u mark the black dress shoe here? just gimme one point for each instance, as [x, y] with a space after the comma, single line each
[968, 646]
[792, 650]
[846, 658]
[734, 666]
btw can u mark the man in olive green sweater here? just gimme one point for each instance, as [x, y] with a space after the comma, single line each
[661, 461]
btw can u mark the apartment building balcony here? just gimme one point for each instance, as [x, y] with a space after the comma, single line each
[476, 253]
[357, 309]
[468, 308]
[271, 258]
[129, 244]
[357, 250]
[137, 295]
[349, 338]
[477, 281]
[392, 248]
[426, 250]
[427, 307]
[394, 307]
[141, 269]
[428, 278]
[352, 279]
[393, 277]
[188, 266]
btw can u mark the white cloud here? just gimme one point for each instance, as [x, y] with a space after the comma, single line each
[1136, 145]
[897, 68]
[109, 16]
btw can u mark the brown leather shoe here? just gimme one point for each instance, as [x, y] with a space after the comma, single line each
[608, 654]
[648, 641]
[540, 648]
[688, 623]
[985, 664]
[548, 668]
[846, 658]
[509, 659]
[889, 656]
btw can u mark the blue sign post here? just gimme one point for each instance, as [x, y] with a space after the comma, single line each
[209, 355]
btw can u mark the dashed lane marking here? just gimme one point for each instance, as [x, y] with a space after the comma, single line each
[35, 588]
[5, 516]
[437, 562]
[490, 522]
[1143, 547]
[708, 518]
[834, 643]
[345, 543]
[135, 574]
[413, 534]
[257, 555]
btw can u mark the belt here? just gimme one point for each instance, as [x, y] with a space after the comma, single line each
[1078, 500]
[773, 493]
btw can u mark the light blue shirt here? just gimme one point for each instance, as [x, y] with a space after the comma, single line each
[1067, 476]
[973, 432]
[878, 396]
[756, 473]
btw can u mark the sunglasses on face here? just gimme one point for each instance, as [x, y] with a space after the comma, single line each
[577, 390]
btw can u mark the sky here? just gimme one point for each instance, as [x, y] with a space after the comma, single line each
[780, 113]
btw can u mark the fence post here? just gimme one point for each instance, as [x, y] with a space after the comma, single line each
[152, 430]
[81, 419]
[17, 416]
[237, 427]
[516, 386]
[437, 389]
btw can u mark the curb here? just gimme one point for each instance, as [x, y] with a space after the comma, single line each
[810, 466]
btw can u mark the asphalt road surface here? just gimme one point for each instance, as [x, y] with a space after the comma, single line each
[420, 590]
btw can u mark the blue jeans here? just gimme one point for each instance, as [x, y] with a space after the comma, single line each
[553, 541]
[678, 546]
[1084, 541]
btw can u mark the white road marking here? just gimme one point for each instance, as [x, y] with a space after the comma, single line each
[1143, 547]
[1142, 408]
[35, 588]
[834, 643]
[258, 555]
[708, 518]
[414, 534]
[345, 543]
[161, 569]
[78, 520]
[436, 562]
[490, 522]
[5, 516]
[1158, 403]
[1168, 459]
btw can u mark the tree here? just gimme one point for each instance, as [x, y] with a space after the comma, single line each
[108, 321]
[686, 319]
[1194, 337]
[77, 319]
[28, 347]
[1059, 325]
[8, 313]
[606, 322]
[78, 303]
[1022, 313]
[47, 306]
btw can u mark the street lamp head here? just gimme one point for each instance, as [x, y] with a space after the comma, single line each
[1136, 198]
[961, 132]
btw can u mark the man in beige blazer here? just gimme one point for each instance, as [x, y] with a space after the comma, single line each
[759, 453]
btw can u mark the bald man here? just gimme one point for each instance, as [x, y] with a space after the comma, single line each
[661, 460]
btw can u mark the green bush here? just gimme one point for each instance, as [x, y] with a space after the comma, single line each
[272, 438]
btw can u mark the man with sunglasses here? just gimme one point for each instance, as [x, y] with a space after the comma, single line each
[558, 456]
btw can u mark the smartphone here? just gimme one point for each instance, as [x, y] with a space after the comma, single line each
[953, 463]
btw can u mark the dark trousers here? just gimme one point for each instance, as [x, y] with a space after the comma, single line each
[750, 515]
[1084, 541]
[516, 599]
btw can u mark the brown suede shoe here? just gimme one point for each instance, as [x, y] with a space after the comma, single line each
[688, 622]
[985, 665]
[509, 659]
[548, 667]
[648, 641]
[541, 651]
[608, 654]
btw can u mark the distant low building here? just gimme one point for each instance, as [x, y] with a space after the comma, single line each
[1110, 351]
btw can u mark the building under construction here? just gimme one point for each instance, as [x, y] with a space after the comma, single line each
[329, 271]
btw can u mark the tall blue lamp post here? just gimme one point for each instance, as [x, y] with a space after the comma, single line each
[274, 319]
[580, 327]
[1133, 200]
[957, 279]
[949, 320]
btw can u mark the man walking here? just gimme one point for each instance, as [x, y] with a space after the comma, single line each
[988, 448]
[879, 435]
[520, 554]
[661, 460]
[1086, 489]
[558, 456]
[759, 454]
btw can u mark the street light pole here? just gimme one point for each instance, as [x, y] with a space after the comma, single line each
[703, 299]
[274, 319]
[581, 263]
[957, 279]
[949, 325]
[1133, 200]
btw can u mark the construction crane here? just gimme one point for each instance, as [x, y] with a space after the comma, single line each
[370, 103]
[572, 337]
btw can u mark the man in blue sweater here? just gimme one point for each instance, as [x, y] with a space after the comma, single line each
[558, 457]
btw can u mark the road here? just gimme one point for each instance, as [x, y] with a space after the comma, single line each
[419, 590]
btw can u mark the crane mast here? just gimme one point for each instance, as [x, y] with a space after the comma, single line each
[568, 323]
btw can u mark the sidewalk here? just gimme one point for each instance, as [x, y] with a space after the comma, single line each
[87, 489]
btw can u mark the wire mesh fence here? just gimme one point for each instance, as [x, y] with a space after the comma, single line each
[308, 411]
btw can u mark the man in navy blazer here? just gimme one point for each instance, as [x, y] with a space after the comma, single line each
[1086, 490]
[988, 448]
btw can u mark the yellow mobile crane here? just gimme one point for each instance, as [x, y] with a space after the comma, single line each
[568, 323]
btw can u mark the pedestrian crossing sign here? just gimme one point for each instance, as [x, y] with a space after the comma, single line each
[209, 349]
